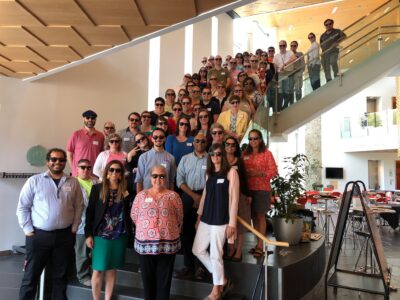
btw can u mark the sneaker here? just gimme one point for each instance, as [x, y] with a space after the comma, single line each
[86, 282]
[184, 273]
[200, 274]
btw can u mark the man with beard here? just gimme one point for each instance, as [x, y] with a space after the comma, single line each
[49, 211]
[85, 143]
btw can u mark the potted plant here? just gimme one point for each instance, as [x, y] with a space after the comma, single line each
[287, 226]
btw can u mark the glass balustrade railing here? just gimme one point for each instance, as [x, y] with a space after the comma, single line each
[364, 38]
[370, 124]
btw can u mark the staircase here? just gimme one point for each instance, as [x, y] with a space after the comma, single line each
[370, 52]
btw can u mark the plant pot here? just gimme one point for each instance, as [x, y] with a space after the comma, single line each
[290, 231]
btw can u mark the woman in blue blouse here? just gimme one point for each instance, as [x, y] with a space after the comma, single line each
[181, 143]
[107, 227]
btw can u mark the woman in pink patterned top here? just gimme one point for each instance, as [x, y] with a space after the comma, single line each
[260, 168]
[158, 215]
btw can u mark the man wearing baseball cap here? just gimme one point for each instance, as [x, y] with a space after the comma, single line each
[85, 143]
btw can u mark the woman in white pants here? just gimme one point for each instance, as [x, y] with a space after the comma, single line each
[217, 218]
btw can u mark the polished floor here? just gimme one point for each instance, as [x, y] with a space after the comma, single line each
[11, 269]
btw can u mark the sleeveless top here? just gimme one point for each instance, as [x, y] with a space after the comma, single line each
[216, 202]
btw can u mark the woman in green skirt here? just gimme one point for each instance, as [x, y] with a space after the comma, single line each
[107, 227]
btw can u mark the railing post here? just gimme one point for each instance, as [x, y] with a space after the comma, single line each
[265, 289]
[380, 39]
[42, 287]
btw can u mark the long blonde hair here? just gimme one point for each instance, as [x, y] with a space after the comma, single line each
[105, 189]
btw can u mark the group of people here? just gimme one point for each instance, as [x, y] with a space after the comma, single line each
[175, 179]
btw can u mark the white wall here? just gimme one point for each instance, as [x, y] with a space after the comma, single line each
[225, 35]
[201, 42]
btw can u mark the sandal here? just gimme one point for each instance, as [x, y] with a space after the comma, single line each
[258, 252]
[228, 286]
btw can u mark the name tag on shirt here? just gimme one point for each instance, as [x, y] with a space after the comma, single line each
[67, 188]
[189, 144]
[234, 167]
[95, 143]
[209, 108]
[148, 200]
[221, 180]
[204, 167]
[164, 165]
[126, 139]
[246, 157]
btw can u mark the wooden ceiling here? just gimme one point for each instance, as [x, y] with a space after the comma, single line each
[39, 35]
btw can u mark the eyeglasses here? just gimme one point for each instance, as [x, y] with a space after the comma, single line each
[85, 167]
[155, 176]
[138, 141]
[159, 104]
[238, 91]
[170, 94]
[91, 118]
[134, 120]
[247, 66]
[198, 141]
[183, 124]
[158, 137]
[328, 24]
[146, 116]
[213, 78]
[114, 141]
[162, 123]
[177, 109]
[203, 116]
[217, 154]
[253, 138]
[217, 132]
[230, 144]
[116, 170]
[185, 103]
[206, 93]
[55, 159]
[196, 92]
[281, 46]
[234, 102]
[108, 128]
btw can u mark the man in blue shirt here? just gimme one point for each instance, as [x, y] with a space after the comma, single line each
[49, 211]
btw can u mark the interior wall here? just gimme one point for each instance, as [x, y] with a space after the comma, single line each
[201, 42]
[47, 111]
[225, 35]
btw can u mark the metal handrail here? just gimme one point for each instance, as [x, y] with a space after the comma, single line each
[260, 235]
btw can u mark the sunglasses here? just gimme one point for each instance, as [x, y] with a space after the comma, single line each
[234, 102]
[248, 83]
[162, 123]
[181, 95]
[155, 176]
[55, 159]
[185, 103]
[206, 93]
[189, 85]
[253, 138]
[85, 167]
[233, 63]
[209, 67]
[170, 94]
[177, 109]
[216, 132]
[184, 124]
[293, 45]
[197, 141]
[146, 117]
[271, 51]
[203, 116]
[116, 170]
[328, 24]
[311, 37]
[114, 141]
[213, 78]
[91, 118]
[242, 75]
[203, 61]
[158, 137]
[211, 58]
[230, 144]
[254, 60]
[218, 58]
[280, 46]
[265, 54]
[217, 154]
[220, 87]
[196, 109]
[134, 120]
[187, 76]
[196, 92]
[108, 128]
[238, 91]
[138, 141]
[159, 104]
[247, 66]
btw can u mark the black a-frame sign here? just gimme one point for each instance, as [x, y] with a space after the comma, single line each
[376, 283]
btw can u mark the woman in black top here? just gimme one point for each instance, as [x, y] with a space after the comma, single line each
[217, 218]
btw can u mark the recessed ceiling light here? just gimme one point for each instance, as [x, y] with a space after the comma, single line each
[351, 60]
[386, 10]
[334, 9]
[348, 51]
[388, 38]
[290, 27]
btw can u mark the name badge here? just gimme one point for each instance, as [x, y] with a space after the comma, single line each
[148, 200]
[222, 73]
[246, 157]
[209, 108]
[126, 139]
[164, 165]
[95, 143]
[221, 180]
[204, 167]
[235, 167]
[67, 188]
[189, 144]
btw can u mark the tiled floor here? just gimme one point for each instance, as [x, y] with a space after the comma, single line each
[11, 270]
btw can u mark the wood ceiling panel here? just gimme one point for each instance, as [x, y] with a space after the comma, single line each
[49, 65]
[21, 66]
[112, 12]
[19, 53]
[57, 12]
[85, 50]
[156, 12]
[17, 36]
[58, 35]
[12, 14]
[206, 5]
[7, 73]
[138, 31]
[103, 35]
[59, 53]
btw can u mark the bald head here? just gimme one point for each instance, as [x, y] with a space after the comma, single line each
[200, 143]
